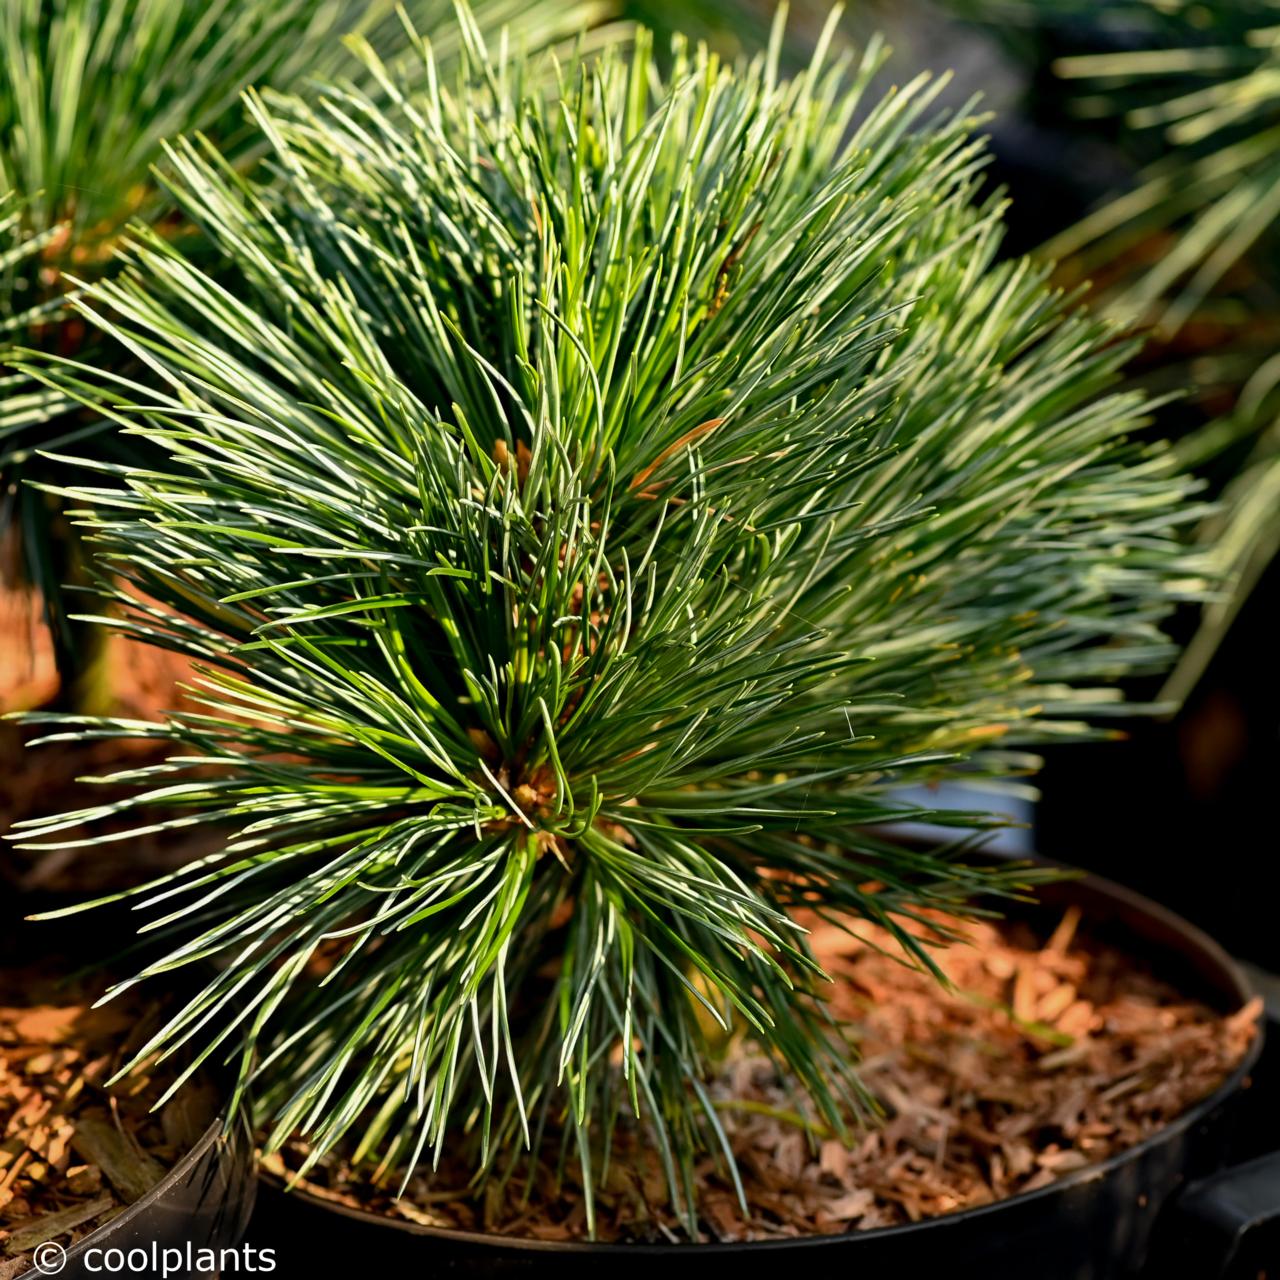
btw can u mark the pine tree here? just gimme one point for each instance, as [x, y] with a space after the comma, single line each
[586, 504]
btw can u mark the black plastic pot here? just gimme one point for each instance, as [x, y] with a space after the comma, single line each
[182, 1226]
[202, 1206]
[1163, 1208]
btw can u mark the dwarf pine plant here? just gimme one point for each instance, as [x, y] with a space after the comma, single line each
[584, 504]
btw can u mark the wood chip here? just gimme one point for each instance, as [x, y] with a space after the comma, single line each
[84, 1180]
[52, 1225]
[131, 1172]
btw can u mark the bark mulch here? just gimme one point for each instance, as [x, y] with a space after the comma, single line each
[74, 1152]
[1050, 1054]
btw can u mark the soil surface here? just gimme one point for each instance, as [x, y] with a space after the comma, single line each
[74, 1152]
[1049, 1054]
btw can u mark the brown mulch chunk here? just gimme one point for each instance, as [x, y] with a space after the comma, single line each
[74, 1152]
[1049, 1054]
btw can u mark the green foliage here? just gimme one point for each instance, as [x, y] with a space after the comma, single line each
[1208, 82]
[1192, 249]
[1205, 80]
[586, 504]
[89, 91]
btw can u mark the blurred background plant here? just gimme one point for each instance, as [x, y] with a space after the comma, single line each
[1187, 92]
[1141, 154]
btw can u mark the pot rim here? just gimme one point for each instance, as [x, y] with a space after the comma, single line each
[1198, 942]
[180, 1171]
